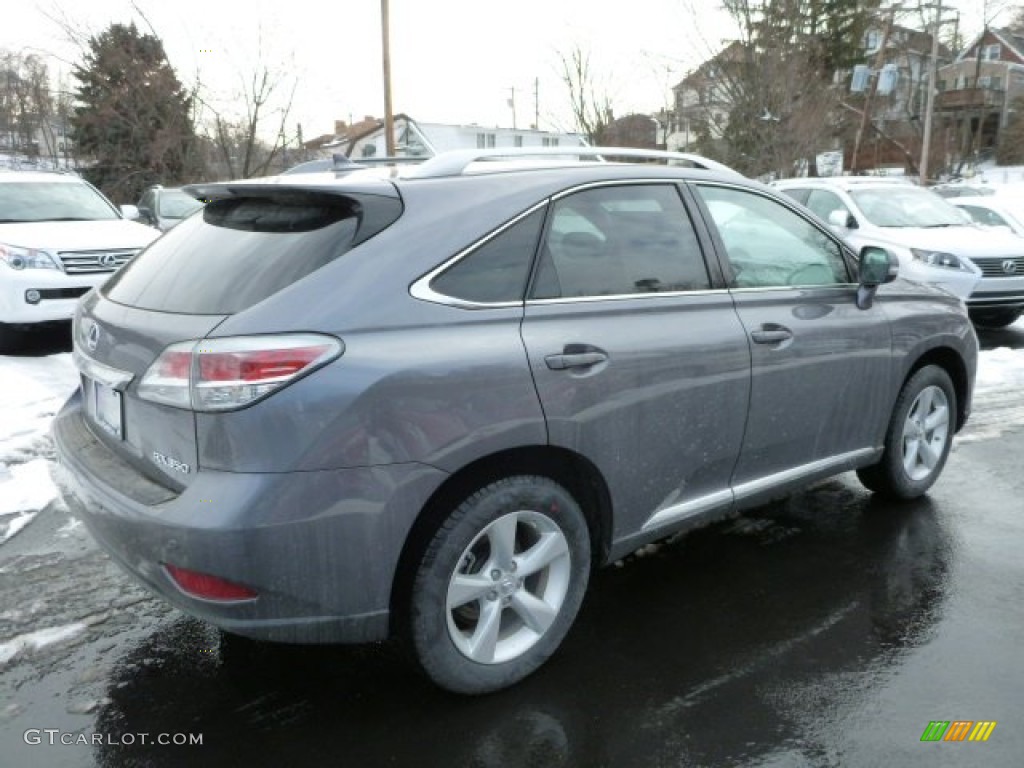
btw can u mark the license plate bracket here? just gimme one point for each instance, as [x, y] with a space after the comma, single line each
[105, 407]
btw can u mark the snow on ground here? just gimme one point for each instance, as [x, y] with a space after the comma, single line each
[33, 641]
[33, 389]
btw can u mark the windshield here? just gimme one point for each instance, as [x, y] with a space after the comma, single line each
[52, 201]
[175, 204]
[906, 207]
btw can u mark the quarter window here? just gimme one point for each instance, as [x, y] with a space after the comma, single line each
[622, 240]
[770, 246]
[497, 270]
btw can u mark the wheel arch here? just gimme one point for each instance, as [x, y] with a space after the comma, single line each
[577, 474]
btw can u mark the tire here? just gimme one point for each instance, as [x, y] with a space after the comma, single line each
[918, 438]
[11, 340]
[995, 318]
[499, 585]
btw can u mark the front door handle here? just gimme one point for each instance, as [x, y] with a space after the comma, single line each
[771, 335]
[574, 360]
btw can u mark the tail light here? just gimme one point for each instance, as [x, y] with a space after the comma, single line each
[225, 374]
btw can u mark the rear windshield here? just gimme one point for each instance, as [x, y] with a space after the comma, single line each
[240, 251]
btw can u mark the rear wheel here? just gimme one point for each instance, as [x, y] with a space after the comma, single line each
[918, 438]
[499, 585]
[995, 318]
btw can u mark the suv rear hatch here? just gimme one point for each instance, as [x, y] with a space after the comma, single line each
[137, 340]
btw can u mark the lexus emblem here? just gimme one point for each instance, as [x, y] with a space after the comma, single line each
[1009, 266]
[92, 338]
[108, 260]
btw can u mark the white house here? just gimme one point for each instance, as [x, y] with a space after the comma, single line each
[415, 139]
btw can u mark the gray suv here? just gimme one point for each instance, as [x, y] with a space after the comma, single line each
[342, 407]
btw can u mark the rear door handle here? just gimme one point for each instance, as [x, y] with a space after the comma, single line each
[574, 360]
[771, 336]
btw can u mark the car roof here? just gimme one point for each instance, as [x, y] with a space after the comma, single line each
[39, 176]
[844, 182]
[544, 168]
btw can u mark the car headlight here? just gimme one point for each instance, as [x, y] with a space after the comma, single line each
[26, 258]
[939, 259]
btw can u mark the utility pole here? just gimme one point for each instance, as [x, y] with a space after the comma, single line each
[512, 104]
[866, 115]
[389, 117]
[926, 141]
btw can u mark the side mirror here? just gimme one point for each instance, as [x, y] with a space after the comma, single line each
[130, 212]
[877, 266]
[842, 218]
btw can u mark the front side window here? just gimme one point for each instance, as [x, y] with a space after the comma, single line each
[622, 240]
[823, 203]
[770, 246]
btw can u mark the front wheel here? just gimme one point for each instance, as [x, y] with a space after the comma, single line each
[918, 438]
[499, 585]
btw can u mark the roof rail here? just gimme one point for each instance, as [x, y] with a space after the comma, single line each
[455, 163]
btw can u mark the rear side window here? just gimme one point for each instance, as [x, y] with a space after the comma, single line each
[498, 269]
[620, 240]
[240, 251]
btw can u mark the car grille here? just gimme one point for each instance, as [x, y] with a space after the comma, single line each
[88, 262]
[993, 267]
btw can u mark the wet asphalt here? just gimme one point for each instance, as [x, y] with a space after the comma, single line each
[827, 629]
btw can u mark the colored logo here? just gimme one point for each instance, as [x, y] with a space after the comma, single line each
[958, 730]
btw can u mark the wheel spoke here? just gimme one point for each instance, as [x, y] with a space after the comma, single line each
[535, 613]
[485, 637]
[911, 449]
[502, 536]
[937, 418]
[467, 587]
[548, 548]
[923, 404]
[929, 453]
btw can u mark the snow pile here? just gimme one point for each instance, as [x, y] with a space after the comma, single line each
[32, 390]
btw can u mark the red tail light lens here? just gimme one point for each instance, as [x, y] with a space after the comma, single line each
[207, 587]
[225, 374]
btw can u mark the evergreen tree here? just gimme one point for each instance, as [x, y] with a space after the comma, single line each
[133, 123]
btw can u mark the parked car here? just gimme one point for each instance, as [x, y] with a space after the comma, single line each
[425, 404]
[994, 211]
[934, 241]
[955, 190]
[59, 238]
[163, 207]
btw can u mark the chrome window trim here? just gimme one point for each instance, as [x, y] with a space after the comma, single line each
[420, 288]
[625, 296]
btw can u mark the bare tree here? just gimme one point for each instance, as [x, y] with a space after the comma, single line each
[590, 103]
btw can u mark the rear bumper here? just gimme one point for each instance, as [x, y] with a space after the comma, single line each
[320, 548]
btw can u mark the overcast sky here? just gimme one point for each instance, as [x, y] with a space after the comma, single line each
[454, 61]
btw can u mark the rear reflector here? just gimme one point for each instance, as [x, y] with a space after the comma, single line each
[230, 373]
[207, 587]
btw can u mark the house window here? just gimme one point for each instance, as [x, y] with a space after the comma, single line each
[990, 52]
[484, 140]
[942, 85]
[872, 40]
[517, 141]
[549, 141]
